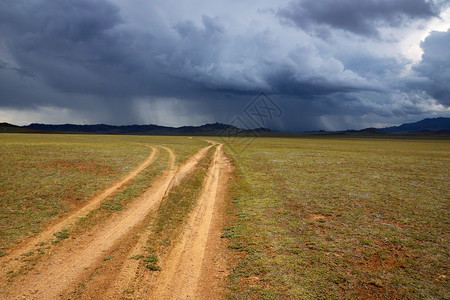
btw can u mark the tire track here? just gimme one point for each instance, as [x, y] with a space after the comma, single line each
[132, 276]
[52, 277]
[181, 270]
[112, 286]
[10, 262]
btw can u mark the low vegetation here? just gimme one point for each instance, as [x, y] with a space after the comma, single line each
[63, 234]
[43, 177]
[311, 218]
[339, 219]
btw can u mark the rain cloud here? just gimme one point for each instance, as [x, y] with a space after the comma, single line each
[328, 64]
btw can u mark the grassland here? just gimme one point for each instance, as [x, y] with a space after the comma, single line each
[43, 177]
[310, 218]
[341, 219]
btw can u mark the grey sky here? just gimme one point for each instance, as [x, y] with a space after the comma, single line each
[328, 64]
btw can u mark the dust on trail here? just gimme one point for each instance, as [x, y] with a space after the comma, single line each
[11, 262]
[53, 276]
[181, 270]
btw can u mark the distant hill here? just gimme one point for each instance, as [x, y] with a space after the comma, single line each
[207, 129]
[366, 131]
[431, 127]
[9, 128]
[434, 124]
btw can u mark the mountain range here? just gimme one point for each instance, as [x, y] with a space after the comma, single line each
[434, 124]
[429, 125]
[207, 129]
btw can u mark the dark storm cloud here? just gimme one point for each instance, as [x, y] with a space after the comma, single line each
[63, 40]
[82, 47]
[434, 68]
[362, 17]
[207, 55]
[21, 72]
[79, 46]
[121, 62]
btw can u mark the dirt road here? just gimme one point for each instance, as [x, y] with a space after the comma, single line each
[12, 261]
[181, 270]
[60, 271]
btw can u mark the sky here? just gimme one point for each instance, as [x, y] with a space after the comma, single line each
[318, 64]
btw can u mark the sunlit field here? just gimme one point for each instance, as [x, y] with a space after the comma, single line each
[335, 218]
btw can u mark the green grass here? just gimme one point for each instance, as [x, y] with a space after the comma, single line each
[63, 234]
[341, 219]
[43, 177]
[151, 263]
[315, 218]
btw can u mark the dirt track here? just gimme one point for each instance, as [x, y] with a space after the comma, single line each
[12, 263]
[181, 270]
[61, 271]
